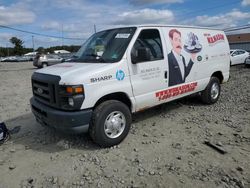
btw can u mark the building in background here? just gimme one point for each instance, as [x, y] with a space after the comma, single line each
[61, 52]
[30, 54]
[239, 41]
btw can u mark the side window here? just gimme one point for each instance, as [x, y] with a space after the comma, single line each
[241, 52]
[150, 40]
[235, 53]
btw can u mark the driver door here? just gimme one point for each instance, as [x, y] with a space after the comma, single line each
[150, 74]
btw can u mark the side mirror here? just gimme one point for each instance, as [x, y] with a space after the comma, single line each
[142, 54]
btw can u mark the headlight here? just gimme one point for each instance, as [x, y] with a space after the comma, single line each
[71, 97]
[71, 101]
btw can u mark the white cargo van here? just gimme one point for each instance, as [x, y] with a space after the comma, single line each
[121, 71]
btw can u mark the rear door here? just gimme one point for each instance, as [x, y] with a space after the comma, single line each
[150, 75]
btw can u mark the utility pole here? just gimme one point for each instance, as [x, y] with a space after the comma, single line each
[62, 36]
[94, 28]
[8, 53]
[33, 43]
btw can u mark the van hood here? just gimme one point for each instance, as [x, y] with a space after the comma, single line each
[67, 71]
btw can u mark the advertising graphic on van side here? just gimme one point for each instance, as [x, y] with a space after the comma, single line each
[168, 93]
[214, 39]
[178, 69]
[192, 44]
[120, 75]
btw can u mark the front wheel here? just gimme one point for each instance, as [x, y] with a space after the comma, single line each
[110, 124]
[212, 92]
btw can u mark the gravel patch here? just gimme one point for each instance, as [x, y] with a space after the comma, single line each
[165, 146]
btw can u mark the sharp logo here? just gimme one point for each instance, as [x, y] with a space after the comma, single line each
[40, 90]
[103, 78]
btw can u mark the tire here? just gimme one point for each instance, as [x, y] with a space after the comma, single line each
[246, 64]
[44, 65]
[212, 92]
[106, 133]
[245, 61]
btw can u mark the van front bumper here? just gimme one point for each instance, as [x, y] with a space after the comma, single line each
[66, 121]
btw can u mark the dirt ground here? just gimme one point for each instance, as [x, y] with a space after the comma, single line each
[165, 147]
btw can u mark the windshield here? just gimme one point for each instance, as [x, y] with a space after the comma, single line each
[105, 47]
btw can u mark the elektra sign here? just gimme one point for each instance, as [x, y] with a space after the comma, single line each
[212, 40]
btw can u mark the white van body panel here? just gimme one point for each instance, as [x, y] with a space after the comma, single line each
[213, 57]
[147, 77]
[147, 83]
[98, 79]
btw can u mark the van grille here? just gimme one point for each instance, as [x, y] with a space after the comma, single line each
[45, 88]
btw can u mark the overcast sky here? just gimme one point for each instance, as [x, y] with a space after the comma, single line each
[76, 18]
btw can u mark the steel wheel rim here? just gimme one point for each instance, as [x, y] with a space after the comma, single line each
[215, 91]
[114, 124]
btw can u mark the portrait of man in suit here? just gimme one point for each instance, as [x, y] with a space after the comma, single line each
[178, 69]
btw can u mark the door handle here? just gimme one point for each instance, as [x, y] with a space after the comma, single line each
[166, 74]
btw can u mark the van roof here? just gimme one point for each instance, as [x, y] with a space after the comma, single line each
[177, 26]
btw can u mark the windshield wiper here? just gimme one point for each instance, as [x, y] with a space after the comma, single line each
[98, 57]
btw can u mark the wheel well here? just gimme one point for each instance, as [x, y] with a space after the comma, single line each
[218, 75]
[120, 96]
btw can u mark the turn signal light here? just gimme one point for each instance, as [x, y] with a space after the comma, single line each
[69, 89]
[74, 89]
[78, 90]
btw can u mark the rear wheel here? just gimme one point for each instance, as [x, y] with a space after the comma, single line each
[245, 62]
[44, 65]
[212, 92]
[110, 124]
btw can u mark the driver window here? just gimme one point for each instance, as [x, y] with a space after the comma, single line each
[150, 39]
[236, 53]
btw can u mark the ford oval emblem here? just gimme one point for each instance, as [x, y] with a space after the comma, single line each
[40, 90]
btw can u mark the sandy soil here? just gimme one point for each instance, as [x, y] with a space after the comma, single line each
[165, 147]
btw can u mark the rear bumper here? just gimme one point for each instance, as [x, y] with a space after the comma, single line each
[35, 63]
[70, 122]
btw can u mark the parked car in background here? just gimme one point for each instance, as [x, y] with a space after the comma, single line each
[42, 60]
[238, 56]
[15, 59]
[31, 55]
[247, 63]
[22, 58]
[10, 59]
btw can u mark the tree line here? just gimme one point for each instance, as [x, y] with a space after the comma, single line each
[19, 49]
